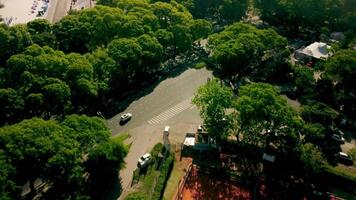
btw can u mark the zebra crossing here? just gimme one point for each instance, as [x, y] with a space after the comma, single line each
[173, 111]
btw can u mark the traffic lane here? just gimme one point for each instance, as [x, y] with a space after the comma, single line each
[144, 137]
[168, 93]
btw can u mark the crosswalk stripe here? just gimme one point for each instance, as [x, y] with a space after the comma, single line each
[171, 112]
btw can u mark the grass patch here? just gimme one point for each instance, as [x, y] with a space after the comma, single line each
[149, 180]
[173, 181]
[344, 171]
[200, 65]
[152, 182]
[343, 194]
[120, 138]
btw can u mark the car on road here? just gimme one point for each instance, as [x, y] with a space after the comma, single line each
[337, 138]
[344, 158]
[144, 160]
[125, 117]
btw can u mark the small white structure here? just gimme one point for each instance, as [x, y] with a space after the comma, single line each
[317, 50]
[189, 140]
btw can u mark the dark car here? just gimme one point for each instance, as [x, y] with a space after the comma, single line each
[344, 158]
[337, 138]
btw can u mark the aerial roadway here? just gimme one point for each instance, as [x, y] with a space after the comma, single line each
[169, 103]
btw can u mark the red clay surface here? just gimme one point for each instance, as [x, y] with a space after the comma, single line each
[202, 186]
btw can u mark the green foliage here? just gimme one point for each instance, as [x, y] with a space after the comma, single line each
[13, 40]
[264, 117]
[341, 68]
[166, 170]
[156, 150]
[352, 153]
[305, 82]
[312, 159]
[212, 100]
[54, 152]
[7, 186]
[222, 12]
[200, 65]
[242, 50]
[318, 113]
[293, 14]
[11, 103]
[136, 196]
[201, 29]
[87, 131]
[313, 132]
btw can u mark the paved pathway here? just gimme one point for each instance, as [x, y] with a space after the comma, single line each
[168, 104]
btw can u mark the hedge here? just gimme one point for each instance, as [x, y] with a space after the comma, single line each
[166, 170]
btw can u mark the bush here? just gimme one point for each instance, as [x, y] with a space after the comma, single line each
[200, 65]
[136, 196]
[166, 170]
[156, 150]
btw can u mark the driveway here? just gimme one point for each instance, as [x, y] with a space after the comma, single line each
[168, 104]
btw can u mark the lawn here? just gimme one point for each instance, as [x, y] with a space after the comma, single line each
[173, 181]
[121, 137]
[177, 173]
[345, 171]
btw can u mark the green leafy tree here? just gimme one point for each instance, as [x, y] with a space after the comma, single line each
[341, 69]
[300, 13]
[103, 164]
[13, 40]
[57, 96]
[213, 100]
[200, 29]
[72, 35]
[263, 117]
[243, 50]
[32, 144]
[312, 159]
[12, 105]
[7, 186]
[313, 132]
[318, 113]
[87, 131]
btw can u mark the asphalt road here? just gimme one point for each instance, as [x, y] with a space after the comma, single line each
[168, 104]
[171, 97]
[57, 10]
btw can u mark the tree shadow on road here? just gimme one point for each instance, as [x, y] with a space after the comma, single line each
[114, 190]
[174, 68]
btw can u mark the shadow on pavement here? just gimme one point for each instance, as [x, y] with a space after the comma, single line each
[117, 105]
[114, 190]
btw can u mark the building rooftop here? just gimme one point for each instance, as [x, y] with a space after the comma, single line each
[317, 50]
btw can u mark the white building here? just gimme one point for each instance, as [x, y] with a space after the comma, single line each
[317, 50]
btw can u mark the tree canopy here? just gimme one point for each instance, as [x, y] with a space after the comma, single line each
[242, 50]
[54, 151]
[213, 100]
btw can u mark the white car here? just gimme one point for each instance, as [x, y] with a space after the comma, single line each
[144, 160]
[125, 117]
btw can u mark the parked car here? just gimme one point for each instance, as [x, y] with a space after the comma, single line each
[144, 160]
[125, 117]
[338, 138]
[344, 158]
[336, 130]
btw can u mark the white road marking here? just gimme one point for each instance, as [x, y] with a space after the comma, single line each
[171, 112]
